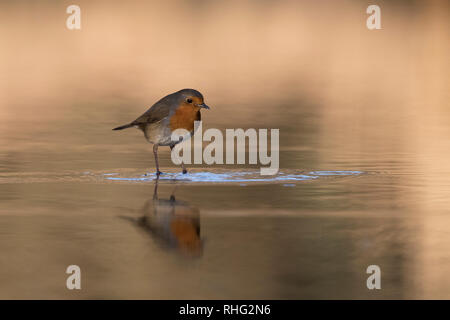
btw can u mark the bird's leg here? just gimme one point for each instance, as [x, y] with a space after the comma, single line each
[183, 168]
[182, 164]
[155, 152]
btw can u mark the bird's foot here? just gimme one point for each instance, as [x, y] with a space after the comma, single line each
[184, 171]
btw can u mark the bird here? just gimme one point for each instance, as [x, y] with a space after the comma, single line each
[178, 110]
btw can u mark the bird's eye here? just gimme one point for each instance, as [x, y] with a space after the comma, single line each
[189, 100]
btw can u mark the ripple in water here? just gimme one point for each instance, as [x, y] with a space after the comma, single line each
[233, 176]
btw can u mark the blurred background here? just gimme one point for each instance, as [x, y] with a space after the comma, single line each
[344, 98]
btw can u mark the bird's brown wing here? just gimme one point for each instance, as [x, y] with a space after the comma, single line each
[157, 112]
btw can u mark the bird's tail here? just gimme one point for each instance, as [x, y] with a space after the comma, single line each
[129, 125]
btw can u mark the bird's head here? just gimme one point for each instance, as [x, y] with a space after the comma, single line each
[192, 98]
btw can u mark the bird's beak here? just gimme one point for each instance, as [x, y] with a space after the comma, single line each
[203, 106]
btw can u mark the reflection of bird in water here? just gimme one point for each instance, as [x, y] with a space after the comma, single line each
[174, 222]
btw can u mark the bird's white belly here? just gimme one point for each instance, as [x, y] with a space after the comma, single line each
[160, 134]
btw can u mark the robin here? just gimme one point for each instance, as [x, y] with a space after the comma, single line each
[175, 111]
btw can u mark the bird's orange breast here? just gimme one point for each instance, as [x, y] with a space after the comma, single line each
[184, 118]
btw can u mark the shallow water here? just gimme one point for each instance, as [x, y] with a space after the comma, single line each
[364, 179]
[224, 233]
